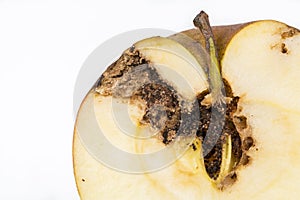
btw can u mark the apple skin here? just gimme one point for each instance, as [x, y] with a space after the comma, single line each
[85, 164]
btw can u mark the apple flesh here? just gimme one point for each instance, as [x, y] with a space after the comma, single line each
[262, 64]
[260, 61]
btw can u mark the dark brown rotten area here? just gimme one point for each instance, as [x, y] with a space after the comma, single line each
[162, 112]
[166, 111]
[132, 78]
[213, 159]
[112, 74]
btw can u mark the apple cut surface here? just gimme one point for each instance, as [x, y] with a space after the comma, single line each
[261, 63]
[97, 181]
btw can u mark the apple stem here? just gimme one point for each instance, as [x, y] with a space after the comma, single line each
[201, 21]
[215, 82]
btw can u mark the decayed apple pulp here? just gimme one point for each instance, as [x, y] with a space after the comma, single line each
[261, 63]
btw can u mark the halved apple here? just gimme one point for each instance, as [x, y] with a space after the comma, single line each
[141, 102]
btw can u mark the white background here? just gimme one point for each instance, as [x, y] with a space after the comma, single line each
[43, 45]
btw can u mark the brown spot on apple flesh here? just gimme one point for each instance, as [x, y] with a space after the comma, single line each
[247, 143]
[286, 34]
[229, 180]
[240, 122]
[284, 48]
[245, 159]
[290, 33]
